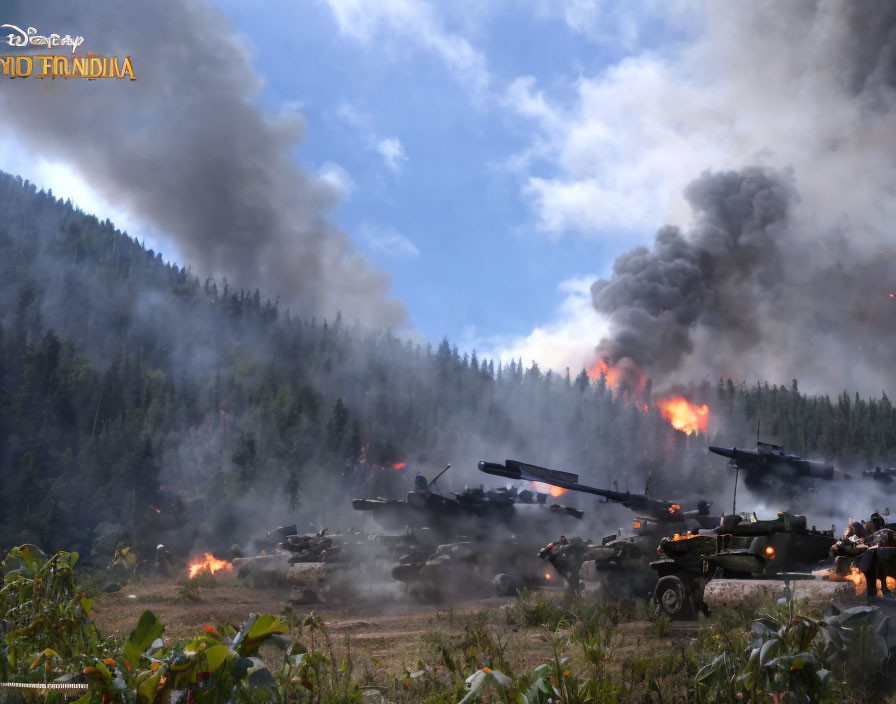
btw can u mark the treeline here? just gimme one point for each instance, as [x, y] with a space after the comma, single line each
[142, 403]
[853, 431]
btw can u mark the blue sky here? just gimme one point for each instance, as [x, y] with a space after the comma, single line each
[426, 148]
[446, 127]
[495, 156]
[445, 216]
[492, 157]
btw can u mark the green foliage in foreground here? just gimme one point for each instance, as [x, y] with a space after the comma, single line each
[48, 636]
[785, 653]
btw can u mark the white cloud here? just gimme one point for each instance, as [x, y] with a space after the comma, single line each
[602, 21]
[748, 89]
[390, 149]
[568, 340]
[392, 152]
[337, 178]
[416, 22]
[784, 85]
[388, 240]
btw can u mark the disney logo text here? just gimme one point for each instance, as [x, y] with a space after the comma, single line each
[22, 37]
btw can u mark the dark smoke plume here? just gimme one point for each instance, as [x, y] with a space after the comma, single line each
[655, 296]
[186, 149]
[786, 271]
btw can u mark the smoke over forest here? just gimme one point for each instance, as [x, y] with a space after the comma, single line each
[787, 270]
[186, 149]
[145, 402]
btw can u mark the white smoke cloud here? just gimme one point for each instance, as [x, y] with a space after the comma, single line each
[801, 88]
[198, 159]
[756, 86]
[567, 341]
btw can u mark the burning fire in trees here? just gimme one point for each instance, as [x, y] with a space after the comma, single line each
[543, 488]
[626, 376]
[683, 415]
[623, 376]
[210, 564]
[602, 369]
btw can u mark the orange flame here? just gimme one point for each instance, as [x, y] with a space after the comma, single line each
[623, 375]
[209, 564]
[601, 368]
[396, 465]
[683, 415]
[858, 579]
[682, 536]
[543, 488]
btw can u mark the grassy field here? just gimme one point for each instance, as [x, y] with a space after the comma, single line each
[152, 640]
[392, 634]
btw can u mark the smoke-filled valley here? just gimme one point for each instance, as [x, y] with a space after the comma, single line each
[142, 403]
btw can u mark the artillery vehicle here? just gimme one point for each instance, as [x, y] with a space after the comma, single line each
[474, 568]
[476, 541]
[474, 510]
[739, 549]
[769, 466]
[884, 475]
[655, 510]
[619, 567]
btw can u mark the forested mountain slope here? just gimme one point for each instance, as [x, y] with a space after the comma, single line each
[139, 402]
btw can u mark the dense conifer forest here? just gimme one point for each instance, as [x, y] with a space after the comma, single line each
[141, 402]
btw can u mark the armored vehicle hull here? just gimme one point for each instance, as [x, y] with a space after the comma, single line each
[745, 550]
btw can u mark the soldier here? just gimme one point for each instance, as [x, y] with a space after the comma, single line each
[419, 495]
[855, 529]
[164, 564]
[567, 557]
[125, 558]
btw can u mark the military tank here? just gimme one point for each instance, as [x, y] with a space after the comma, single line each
[738, 549]
[475, 568]
[475, 510]
[618, 567]
[473, 542]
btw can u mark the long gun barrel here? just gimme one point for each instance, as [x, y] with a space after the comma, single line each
[521, 471]
[436, 478]
[729, 452]
[769, 460]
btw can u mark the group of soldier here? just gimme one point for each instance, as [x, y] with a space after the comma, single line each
[164, 564]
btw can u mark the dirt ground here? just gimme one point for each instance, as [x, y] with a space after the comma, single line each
[386, 634]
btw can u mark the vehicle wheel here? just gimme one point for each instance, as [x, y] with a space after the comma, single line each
[671, 596]
[504, 585]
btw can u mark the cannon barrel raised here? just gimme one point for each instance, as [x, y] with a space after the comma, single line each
[522, 471]
[730, 452]
[763, 460]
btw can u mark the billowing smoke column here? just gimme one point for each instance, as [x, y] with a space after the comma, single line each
[186, 149]
[655, 297]
[787, 269]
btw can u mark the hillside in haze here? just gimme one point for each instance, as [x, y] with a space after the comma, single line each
[142, 403]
